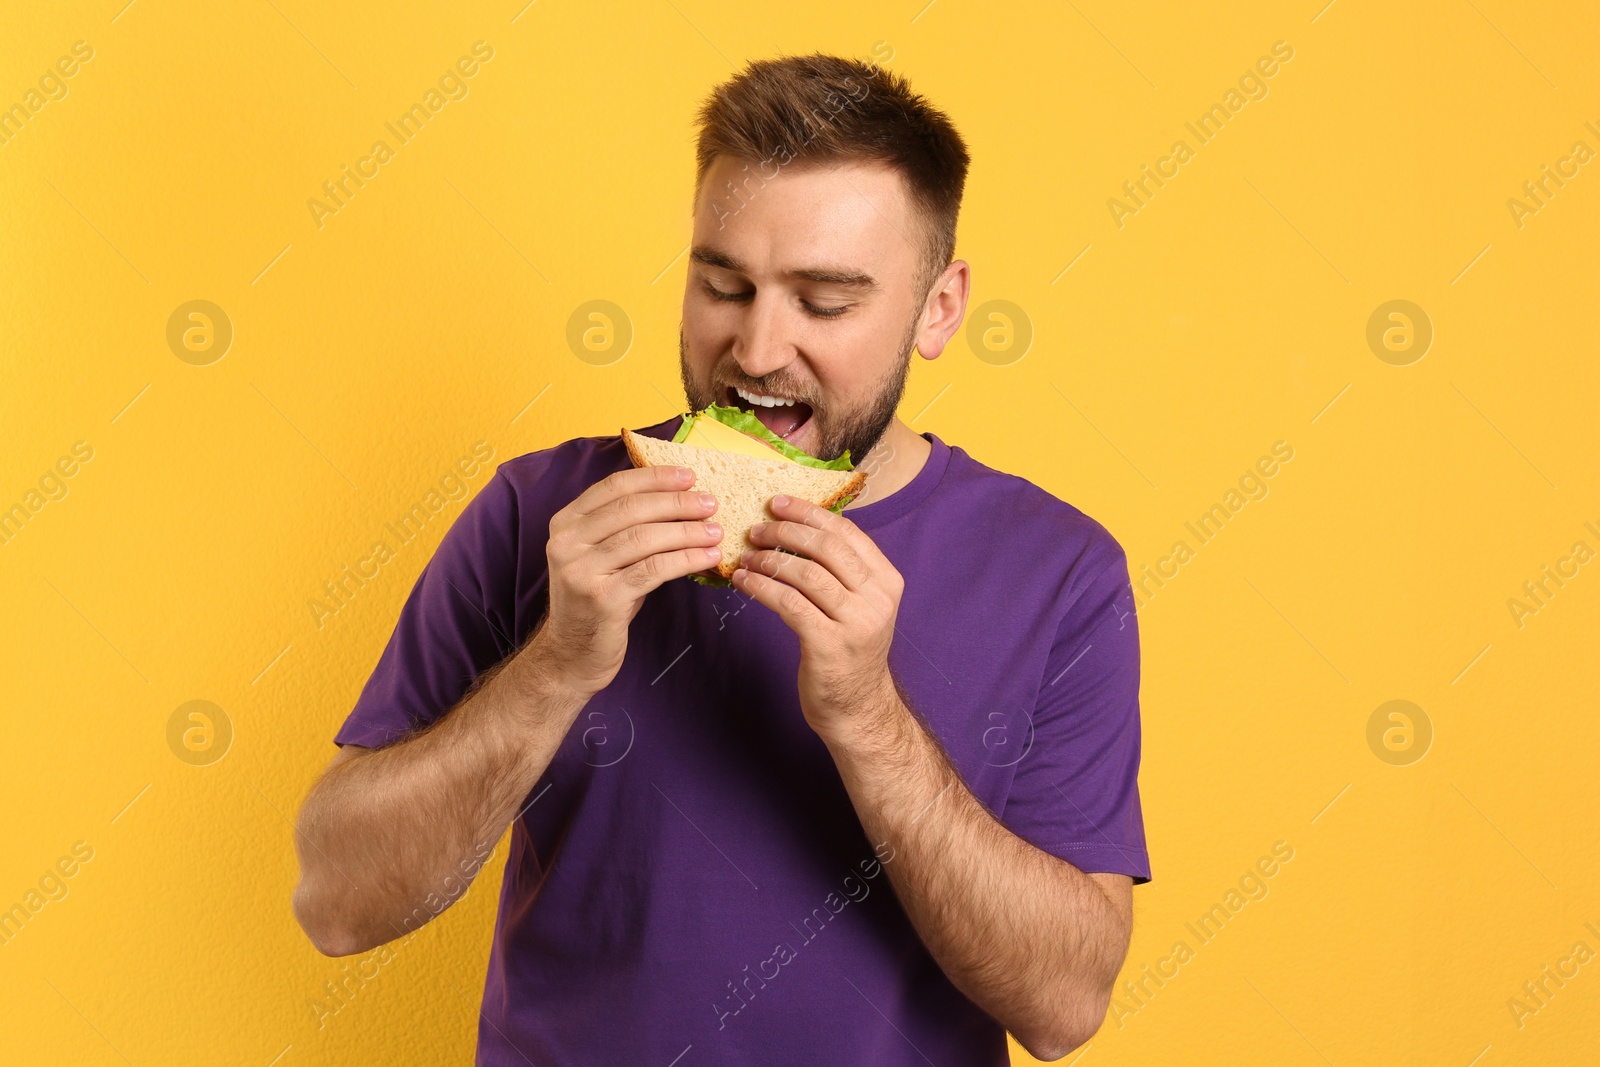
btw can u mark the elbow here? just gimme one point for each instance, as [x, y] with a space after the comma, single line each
[329, 938]
[1076, 1021]
[1058, 1043]
[335, 945]
[1048, 1051]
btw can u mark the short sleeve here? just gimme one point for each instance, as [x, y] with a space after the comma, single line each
[456, 624]
[1076, 792]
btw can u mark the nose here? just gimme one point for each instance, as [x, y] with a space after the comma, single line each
[761, 344]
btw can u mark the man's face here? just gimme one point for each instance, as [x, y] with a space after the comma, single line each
[803, 290]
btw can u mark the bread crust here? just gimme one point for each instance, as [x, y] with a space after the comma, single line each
[725, 569]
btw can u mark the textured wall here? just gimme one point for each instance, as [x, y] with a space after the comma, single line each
[214, 472]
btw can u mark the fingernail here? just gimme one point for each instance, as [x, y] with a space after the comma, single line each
[780, 501]
[758, 529]
[713, 553]
[683, 474]
[707, 500]
[713, 529]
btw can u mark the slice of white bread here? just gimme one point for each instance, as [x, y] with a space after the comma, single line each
[743, 485]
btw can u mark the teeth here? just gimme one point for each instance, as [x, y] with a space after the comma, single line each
[763, 401]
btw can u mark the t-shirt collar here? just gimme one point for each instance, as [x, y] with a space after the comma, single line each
[882, 512]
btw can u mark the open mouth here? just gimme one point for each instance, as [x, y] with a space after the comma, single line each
[781, 415]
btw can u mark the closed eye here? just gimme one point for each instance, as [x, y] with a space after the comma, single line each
[821, 313]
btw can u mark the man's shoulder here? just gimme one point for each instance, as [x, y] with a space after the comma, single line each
[1042, 562]
[1017, 512]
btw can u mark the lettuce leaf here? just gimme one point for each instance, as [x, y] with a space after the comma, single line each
[744, 422]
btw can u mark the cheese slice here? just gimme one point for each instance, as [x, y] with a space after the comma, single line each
[709, 433]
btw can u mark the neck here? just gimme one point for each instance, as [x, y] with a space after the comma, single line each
[894, 461]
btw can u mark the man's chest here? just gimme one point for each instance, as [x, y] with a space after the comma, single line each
[972, 667]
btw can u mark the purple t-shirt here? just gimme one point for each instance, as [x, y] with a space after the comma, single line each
[689, 883]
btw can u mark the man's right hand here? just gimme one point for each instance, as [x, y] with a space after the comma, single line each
[624, 536]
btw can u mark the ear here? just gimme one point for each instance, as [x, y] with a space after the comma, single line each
[947, 306]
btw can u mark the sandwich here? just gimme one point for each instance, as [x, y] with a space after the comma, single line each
[744, 465]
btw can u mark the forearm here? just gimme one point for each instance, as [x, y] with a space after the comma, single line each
[389, 839]
[1026, 936]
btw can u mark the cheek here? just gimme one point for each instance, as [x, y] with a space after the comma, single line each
[707, 325]
[855, 367]
[703, 347]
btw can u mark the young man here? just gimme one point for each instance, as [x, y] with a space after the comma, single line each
[875, 803]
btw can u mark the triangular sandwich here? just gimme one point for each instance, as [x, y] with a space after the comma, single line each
[744, 465]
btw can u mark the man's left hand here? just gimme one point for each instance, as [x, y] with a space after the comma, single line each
[841, 595]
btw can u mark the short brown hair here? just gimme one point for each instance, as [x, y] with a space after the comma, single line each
[820, 109]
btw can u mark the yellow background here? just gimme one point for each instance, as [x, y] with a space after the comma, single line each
[1228, 314]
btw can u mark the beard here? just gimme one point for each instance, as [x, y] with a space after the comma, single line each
[857, 431]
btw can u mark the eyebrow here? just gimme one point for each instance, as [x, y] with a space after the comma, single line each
[863, 283]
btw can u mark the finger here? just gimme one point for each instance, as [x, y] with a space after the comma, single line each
[826, 546]
[839, 525]
[644, 506]
[791, 605]
[631, 544]
[811, 578]
[633, 480]
[662, 567]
